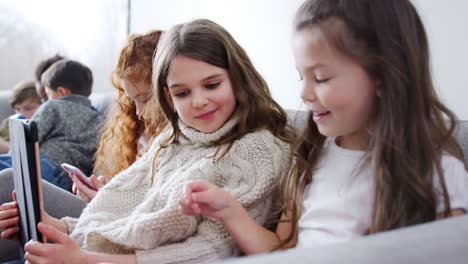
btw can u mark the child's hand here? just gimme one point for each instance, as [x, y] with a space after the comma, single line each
[63, 250]
[84, 192]
[204, 198]
[9, 219]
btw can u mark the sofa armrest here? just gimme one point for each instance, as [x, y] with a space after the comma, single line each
[5, 108]
[444, 241]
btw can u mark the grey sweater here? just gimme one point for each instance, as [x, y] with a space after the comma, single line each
[68, 131]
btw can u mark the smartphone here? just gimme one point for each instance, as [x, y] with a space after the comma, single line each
[74, 170]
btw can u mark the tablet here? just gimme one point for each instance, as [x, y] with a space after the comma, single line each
[24, 148]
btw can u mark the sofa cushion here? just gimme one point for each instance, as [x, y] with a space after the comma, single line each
[442, 241]
[102, 101]
[5, 107]
[462, 137]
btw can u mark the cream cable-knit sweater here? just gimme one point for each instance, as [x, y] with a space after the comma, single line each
[130, 216]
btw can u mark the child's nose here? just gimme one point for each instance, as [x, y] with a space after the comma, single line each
[308, 92]
[139, 109]
[199, 100]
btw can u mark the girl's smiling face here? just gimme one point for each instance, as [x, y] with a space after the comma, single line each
[202, 93]
[336, 90]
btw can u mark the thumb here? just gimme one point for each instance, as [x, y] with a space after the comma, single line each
[194, 187]
[53, 234]
[96, 181]
[206, 196]
[197, 186]
[13, 195]
[102, 179]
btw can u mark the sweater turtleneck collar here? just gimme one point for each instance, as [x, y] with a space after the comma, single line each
[195, 136]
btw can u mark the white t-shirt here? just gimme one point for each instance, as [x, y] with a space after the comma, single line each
[338, 204]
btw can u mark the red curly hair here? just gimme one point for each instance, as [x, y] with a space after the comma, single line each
[117, 148]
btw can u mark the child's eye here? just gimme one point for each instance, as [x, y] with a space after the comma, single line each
[181, 94]
[324, 80]
[213, 85]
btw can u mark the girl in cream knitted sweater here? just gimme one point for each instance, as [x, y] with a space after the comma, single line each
[224, 128]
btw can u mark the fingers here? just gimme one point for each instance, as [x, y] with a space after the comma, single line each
[74, 188]
[9, 220]
[35, 248]
[197, 195]
[185, 203]
[195, 187]
[214, 198]
[8, 214]
[10, 233]
[207, 196]
[33, 259]
[196, 209]
[8, 206]
[198, 186]
[83, 189]
[186, 209]
[77, 192]
[83, 197]
[37, 252]
[53, 234]
[4, 224]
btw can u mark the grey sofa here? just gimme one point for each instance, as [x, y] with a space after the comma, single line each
[443, 241]
[440, 242]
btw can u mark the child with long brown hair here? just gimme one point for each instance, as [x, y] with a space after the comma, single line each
[224, 127]
[378, 151]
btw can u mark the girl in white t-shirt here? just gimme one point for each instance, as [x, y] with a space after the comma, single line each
[378, 151]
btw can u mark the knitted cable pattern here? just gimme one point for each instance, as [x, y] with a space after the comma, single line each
[130, 216]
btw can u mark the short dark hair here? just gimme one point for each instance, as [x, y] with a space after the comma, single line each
[45, 64]
[69, 74]
[22, 92]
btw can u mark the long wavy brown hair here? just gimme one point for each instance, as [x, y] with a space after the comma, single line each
[207, 41]
[117, 148]
[411, 128]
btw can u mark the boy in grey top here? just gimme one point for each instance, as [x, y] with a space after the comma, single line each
[68, 125]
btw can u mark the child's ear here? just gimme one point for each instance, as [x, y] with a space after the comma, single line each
[378, 88]
[378, 92]
[63, 91]
[169, 98]
[166, 91]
